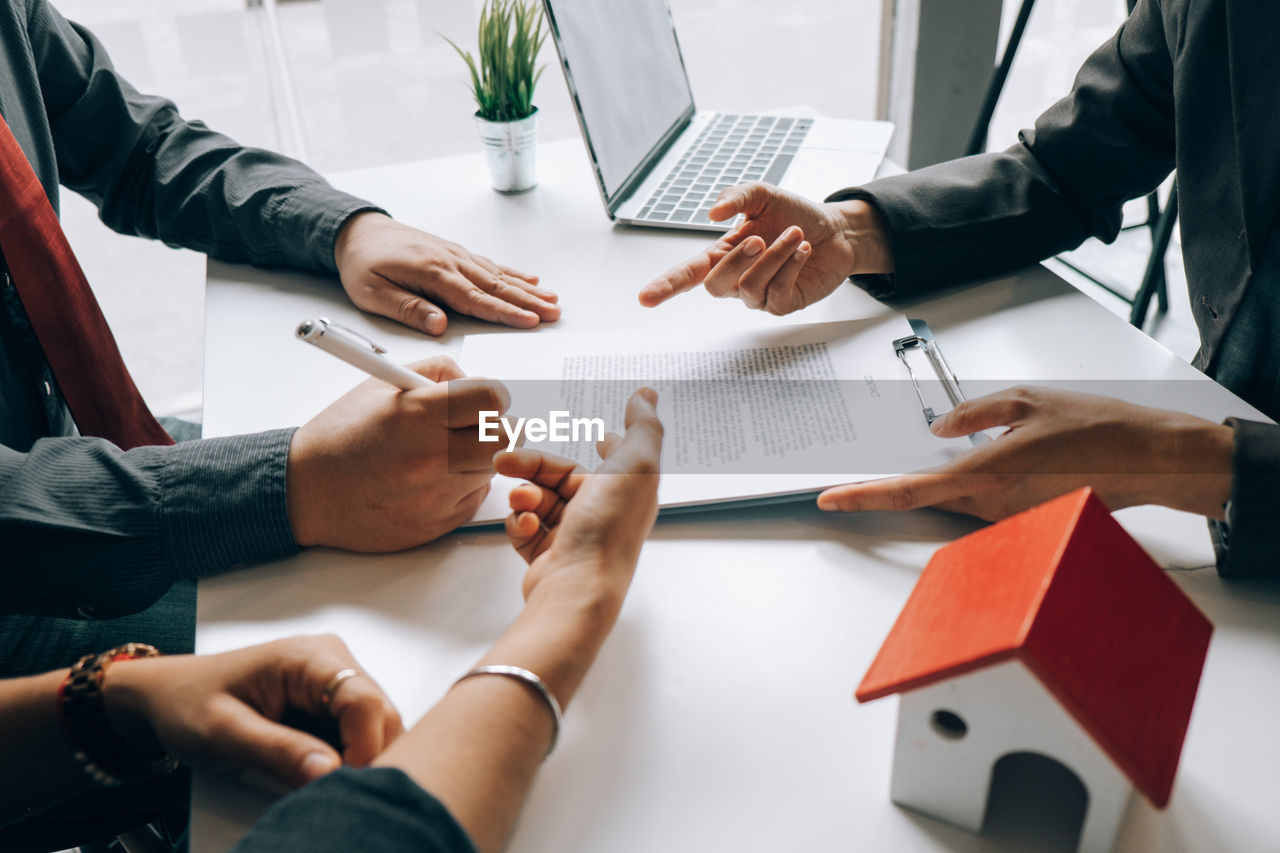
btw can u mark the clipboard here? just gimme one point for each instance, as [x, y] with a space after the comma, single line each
[923, 341]
[855, 352]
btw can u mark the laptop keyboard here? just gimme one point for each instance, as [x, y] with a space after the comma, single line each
[731, 149]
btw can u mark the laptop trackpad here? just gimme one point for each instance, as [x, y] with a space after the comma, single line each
[816, 173]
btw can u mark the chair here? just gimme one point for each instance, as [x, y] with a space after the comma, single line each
[1160, 222]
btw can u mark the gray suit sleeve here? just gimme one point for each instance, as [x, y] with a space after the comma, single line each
[1111, 139]
[90, 530]
[154, 174]
[1248, 543]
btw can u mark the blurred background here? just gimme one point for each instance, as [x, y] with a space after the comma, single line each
[349, 84]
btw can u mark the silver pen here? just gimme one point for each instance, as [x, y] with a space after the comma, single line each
[357, 350]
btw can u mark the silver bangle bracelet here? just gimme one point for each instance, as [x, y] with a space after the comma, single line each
[525, 676]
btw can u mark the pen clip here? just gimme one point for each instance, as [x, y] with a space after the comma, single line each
[329, 324]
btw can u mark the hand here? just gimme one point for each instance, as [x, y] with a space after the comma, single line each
[383, 469]
[390, 269]
[223, 711]
[811, 249]
[1058, 441]
[479, 748]
[566, 517]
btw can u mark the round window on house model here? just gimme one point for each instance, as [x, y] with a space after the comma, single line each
[949, 724]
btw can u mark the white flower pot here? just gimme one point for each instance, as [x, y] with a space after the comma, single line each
[512, 148]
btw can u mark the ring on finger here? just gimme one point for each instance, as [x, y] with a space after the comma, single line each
[331, 687]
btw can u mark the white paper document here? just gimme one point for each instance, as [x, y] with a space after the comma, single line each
[748, 415]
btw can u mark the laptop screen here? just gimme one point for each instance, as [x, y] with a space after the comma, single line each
[624, 67]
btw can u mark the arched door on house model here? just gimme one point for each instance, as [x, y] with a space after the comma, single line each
[1035, 803]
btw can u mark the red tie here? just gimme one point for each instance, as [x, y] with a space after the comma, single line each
[63, 311]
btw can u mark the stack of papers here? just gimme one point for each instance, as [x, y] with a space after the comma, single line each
[750, 416]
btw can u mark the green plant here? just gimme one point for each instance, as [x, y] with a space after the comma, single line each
[511, 34]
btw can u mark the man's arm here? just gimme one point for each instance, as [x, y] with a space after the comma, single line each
[89, 530]
[95, 531]
[154, 174]
[1110, 140]
[1130, 455]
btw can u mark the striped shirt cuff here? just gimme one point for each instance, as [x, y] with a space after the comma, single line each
[224, 502]
[310, 218]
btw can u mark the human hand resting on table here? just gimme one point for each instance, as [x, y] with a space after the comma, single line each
[223, 711]
[391, 269]
[787, 254]
[383, 469]
[1058, 441]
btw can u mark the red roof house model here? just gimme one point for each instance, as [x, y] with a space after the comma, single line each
[1063, 589]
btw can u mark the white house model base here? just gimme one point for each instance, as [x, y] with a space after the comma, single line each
[1046, 646]
[951, 734]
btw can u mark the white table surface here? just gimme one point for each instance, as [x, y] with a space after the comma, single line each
[719, 714]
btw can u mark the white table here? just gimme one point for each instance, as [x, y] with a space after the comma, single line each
[719, 714]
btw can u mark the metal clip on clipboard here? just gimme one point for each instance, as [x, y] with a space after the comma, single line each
[924, 341]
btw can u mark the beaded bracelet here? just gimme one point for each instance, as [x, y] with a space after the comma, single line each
[107, 759]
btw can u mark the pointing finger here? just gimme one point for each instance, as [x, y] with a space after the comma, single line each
[683, 277]
[910, 491]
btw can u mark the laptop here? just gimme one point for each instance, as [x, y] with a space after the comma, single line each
[660, 162]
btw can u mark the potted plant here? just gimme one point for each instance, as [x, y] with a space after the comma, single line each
[511, 34]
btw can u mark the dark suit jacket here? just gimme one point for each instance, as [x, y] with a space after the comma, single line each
[1186, 84]
[87, 530]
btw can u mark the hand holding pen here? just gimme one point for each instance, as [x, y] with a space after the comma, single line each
[386, 468]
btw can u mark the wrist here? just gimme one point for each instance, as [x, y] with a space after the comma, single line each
[126, 689]
[351, 230]
[559, 633]
[867, 235]
[587, 591]
[112, 748]
[584, 600]
[1197, 477]
[299, 506]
